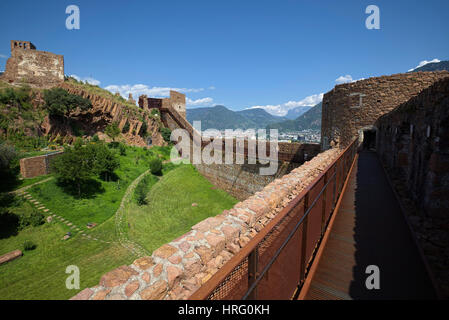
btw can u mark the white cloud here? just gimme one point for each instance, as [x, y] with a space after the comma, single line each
[158, 92]
[3, 56]
[344, 79]
[282, 109]
[199, 102]
[424, 62]
[89, 80]
[139, 89]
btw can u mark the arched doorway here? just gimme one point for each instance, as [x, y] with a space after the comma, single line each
[368, 138]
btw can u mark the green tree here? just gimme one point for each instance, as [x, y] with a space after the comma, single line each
[156, 166]
[9, 167]
[112, 131]
[60, 103]
[105, 161]
[75, 165]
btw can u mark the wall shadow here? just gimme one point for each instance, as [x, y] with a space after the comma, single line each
[382, 238]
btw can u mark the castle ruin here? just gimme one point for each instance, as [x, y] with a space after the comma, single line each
[37, 68]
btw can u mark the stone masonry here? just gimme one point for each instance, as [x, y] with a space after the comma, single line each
[177, 269]
[37, 166]
[413, 144]
[36, 68]
[351, 107]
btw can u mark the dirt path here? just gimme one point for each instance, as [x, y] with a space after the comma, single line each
[21, 190]
[121, 221]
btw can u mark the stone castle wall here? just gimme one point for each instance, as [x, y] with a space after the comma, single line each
[37, 68]
[350, 107]
[37, 166]
[413, 144]
[244, 180]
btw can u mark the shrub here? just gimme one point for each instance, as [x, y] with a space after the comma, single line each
[95, 138]
[19, 98]
[29, 245]
[59, 102]
[126, 127]
[112, 131]
[155, 112]
[141, 192]
[144, 129]
[35, 219]
[165, 132]
[155, 166]
[122, 149]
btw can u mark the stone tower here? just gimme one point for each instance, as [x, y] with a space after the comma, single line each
[36, 68]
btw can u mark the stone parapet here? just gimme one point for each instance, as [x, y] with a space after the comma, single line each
[177, 269]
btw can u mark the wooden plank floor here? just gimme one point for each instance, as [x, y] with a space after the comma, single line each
[369, 229]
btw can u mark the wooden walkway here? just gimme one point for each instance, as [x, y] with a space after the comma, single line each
[369, 229]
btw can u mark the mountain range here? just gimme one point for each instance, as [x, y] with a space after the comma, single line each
[434, 66]
[219, 117]
[296, 112]
[297, 119]
[310, 120]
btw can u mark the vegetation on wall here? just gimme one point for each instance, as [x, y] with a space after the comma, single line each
[165, 132]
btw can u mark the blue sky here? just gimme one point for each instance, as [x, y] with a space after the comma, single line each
[275, 54]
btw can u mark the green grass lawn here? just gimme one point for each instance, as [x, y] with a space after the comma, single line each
[169, 212]
[29, 181]
[40, 273]
[105, 199]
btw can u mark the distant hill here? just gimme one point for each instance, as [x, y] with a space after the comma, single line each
[434, 66]
[220, 117]
[309, 120]
[296, 112]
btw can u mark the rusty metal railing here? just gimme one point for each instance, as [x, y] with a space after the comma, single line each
[274, 264]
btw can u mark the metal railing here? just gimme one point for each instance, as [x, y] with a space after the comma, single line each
[274, 264]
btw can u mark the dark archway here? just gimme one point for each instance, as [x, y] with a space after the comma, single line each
[369, 139]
